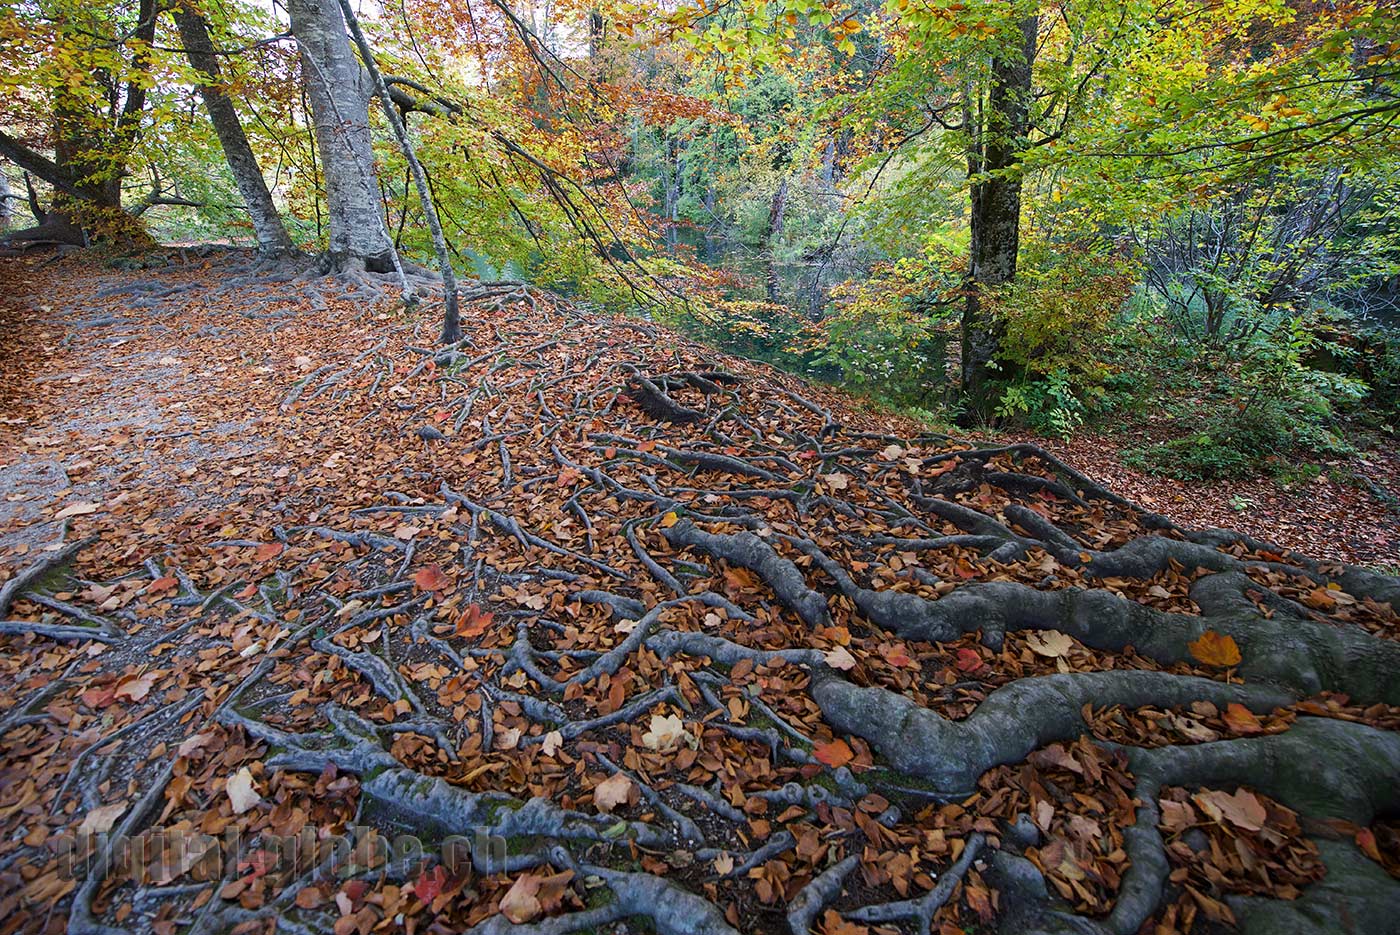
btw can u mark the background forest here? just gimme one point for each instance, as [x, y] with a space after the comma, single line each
[1176, 217]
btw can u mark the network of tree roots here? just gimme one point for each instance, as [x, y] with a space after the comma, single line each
[706, 649]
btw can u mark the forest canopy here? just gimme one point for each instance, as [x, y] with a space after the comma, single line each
[976, 210]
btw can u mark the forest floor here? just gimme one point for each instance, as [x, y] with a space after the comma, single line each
[705, 648]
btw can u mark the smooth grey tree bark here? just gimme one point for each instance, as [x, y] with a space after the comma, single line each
[339, 91]
[267, 223]
[451, 322]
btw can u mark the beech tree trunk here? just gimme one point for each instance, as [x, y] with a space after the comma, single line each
[267, 224]
[451, 321]
[339, 91]
[998, 140]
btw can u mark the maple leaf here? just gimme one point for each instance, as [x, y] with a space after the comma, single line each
[1215, 649]
[472, 621]
[241, 793]
[835, 754]
[616, 790]
[431, 578]
[666, 733]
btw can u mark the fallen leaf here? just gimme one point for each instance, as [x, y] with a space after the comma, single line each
[77, 509]
[102, 819]
[135, 687]
[241, 792]
[1215, 649]
[837, 481]
[1241, 720]
[665, 734]
[968, 660]
[616, 790]
[1242, 809]
[472, 621]
[1050, 643]
[840, 658]
[431, 578]
[835, 754]
[268, 551]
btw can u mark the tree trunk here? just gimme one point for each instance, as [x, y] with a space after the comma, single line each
[993, 163]
[777, 214]
[267, 224]
[339, 91]
[451, 321]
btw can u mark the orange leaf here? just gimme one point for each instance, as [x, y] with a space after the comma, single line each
[473, 622]
[431, 578]
[1241, 720]
[834, 754]
[268, 550]
[968, 660]
[163, 584]
[1366, 840]
[1215, 649]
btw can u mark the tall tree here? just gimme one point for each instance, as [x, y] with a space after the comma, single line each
[339, 90]
[243, 164]
[996, 124]
[95, 67]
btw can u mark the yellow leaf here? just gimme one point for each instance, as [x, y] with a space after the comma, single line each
[669, 520]
[1215, 649]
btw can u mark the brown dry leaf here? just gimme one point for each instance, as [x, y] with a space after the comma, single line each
[666, 733]
[102, 819]
[268, 551]
[471, 622]
[840, 658]
[241, 793]
[1049, 643]
[135, 687]
[616, 790]
[431, 578]
[1242, 809]
[835, 754]
[1215, 649]
[1241, 720]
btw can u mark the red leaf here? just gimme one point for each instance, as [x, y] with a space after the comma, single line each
[473, 622]
[163, 584]
[968, 660]
[267, 551]
[429, 885]
[432, 578]
[835, 754]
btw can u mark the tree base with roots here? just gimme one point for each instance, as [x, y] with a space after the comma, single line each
[698, 649]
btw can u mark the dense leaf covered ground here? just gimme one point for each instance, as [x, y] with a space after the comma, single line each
[703, 648]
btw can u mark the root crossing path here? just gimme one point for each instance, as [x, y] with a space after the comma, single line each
[309, 625]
